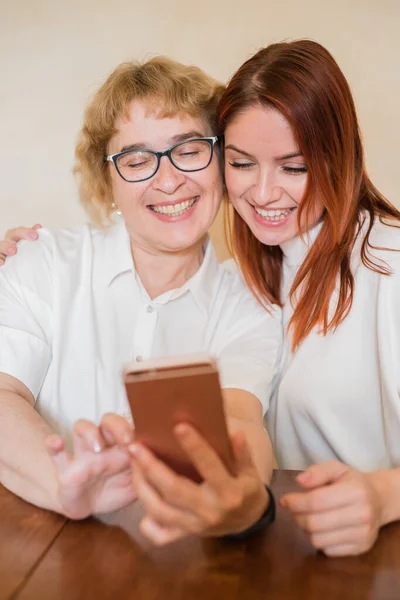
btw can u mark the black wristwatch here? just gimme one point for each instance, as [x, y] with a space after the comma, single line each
[266, 518]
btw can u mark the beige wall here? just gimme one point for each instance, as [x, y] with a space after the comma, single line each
[54, 54]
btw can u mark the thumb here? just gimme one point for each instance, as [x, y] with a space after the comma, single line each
[322, 474]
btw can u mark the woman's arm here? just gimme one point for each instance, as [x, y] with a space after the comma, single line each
[34, 462]
[244, 413]
[35, 465]
[25, 466]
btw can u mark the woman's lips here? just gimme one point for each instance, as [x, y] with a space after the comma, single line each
[273, 218]
[173, 212]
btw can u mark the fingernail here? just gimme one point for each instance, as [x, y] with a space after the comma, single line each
[181, 429]
[1, 262]
[127, 438]
[282, 502]
[97, 446]
[303, 476]
[108, 435]
[33, 236]
[135, 450]
[37, 226]
[10, 251]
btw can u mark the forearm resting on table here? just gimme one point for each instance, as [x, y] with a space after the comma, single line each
[244, 413]
[26, 468]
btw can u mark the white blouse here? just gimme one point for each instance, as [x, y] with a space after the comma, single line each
[73, 312]
[338, 396]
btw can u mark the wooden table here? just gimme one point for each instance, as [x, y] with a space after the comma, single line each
[46, 557]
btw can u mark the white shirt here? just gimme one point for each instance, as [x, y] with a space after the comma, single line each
[338, 395]
[73, 312]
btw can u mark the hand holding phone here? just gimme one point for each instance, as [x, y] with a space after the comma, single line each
[164, 392]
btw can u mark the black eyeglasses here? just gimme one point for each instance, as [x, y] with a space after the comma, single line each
[139, 165]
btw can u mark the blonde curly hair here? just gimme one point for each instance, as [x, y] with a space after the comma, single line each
[169, 87]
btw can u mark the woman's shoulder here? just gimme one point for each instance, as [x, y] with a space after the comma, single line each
[49, 243]
[234, 282]
[34, 265]
[381, 244]
[385, 232]
[237, 288]
[384, 241]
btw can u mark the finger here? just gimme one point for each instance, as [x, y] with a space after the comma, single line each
[203, 457]
[347, 516]
[356, 536]
[160, 535]
[54, 444]
[175, 489]
[37, 226]
[113, 460]
[321, 499]
[91, 468]
[21, 233]
[343, 550]
[7, 248]
[322, 474]
[56, 449]
[116, 429]
[242, 454]
[79, 445]
[158, 510]
[87, 437]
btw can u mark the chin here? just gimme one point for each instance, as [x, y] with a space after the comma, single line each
[273, 238]
[181, 243]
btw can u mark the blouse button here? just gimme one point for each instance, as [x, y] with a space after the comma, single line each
[139, 357]
[150, 309]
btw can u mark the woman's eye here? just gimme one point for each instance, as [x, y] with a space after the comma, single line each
[135, 160]
[133, 164]
[295, 170]
[240, 165]
[183, 154]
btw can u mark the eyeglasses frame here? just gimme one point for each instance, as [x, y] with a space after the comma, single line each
[212, 140]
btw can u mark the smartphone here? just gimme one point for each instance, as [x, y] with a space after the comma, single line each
[164, 392]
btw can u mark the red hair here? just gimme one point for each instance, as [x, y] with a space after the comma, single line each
[303, 82]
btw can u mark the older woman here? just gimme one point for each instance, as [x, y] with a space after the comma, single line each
[78, 304]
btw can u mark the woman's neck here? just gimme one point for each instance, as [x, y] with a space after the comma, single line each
[162, 271]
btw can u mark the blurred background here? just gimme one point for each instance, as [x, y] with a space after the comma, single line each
[54, 54]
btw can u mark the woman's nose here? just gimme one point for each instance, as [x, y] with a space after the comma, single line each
[168, 178]
[266, 190]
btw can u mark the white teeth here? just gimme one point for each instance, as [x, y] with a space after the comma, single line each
[176, 210]
[273, 215]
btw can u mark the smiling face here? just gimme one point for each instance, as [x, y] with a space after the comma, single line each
[173, 210]
[265, 174]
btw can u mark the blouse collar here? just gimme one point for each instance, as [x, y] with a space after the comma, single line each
[295, 250]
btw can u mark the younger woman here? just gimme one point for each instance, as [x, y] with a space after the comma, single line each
[311, 232]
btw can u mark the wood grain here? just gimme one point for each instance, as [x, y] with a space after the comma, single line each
[110, 559]
[26, 532]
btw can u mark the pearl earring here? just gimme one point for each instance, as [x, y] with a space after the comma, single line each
[115, 208]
